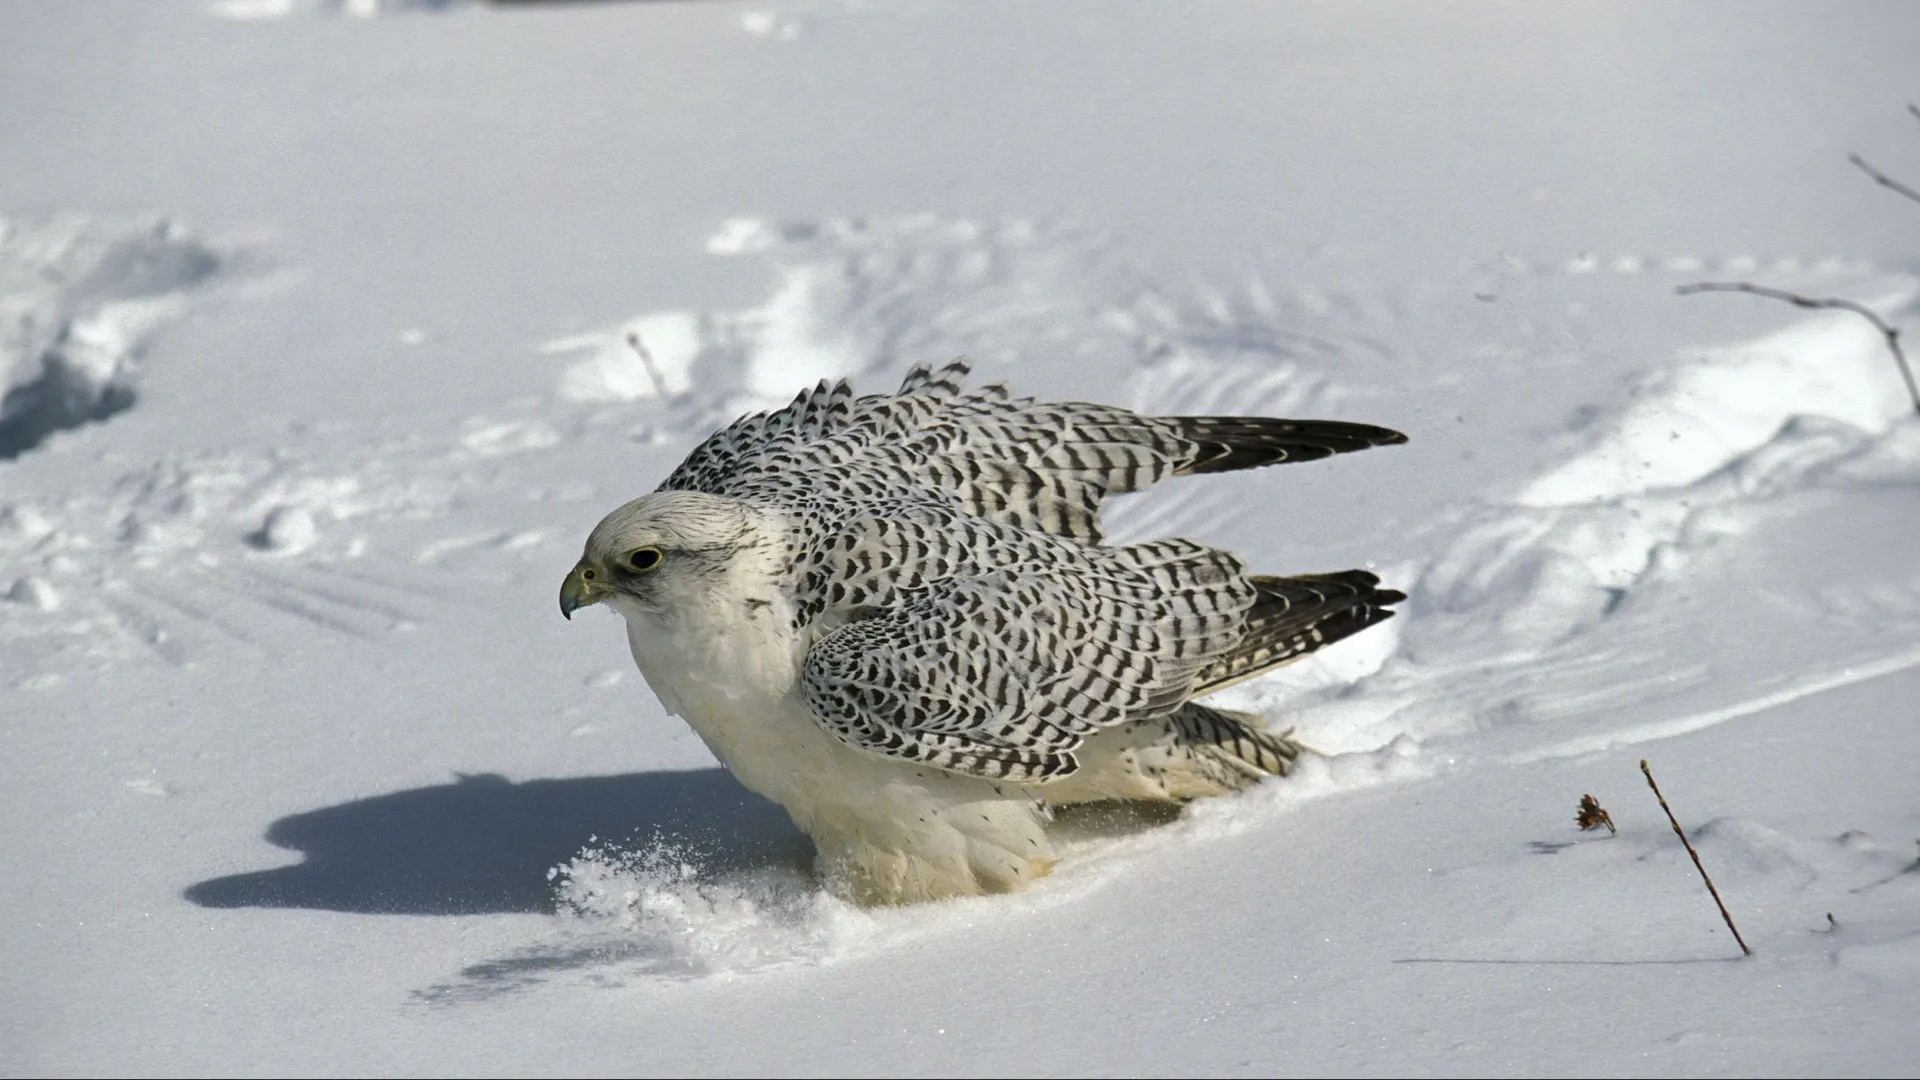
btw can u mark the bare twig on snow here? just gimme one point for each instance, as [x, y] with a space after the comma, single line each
[646, 361]
[1883, 179]
[1681, 833]
[1887, 330]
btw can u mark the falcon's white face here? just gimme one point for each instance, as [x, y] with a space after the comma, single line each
[664, 552]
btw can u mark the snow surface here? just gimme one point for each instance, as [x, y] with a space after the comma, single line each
[314, 321]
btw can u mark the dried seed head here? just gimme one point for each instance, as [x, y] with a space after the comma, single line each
[1591, 816]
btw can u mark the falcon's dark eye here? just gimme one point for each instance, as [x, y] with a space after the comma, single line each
[644, 559]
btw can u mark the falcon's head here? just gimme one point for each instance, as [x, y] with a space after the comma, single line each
[663, 551]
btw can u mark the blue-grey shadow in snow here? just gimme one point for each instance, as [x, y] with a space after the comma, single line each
[484, 844]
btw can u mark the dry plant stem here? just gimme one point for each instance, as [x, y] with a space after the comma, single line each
[646, 361]
[1681, 833]
[1887, 330]
[1883, 179]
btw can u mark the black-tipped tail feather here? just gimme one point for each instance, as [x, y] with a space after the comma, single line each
[1296, 615]
[1239, 740]
[1227, 443]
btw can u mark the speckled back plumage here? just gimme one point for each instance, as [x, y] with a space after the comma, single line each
[945, 565]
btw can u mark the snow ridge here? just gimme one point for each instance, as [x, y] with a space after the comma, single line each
[78, 299]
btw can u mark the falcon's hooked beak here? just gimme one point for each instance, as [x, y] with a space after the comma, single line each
[585, 584]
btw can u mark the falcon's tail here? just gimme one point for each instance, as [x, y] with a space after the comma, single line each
[1296, 615]
[1192, 753]
[1197, 750]
[1227, 443]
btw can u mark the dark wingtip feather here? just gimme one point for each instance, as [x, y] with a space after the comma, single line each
[1296, 615]
[1304, 594]
[1228, 443]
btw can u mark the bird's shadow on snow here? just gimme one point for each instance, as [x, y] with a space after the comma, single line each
[485, 844]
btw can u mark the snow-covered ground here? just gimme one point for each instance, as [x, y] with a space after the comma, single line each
[313, 320]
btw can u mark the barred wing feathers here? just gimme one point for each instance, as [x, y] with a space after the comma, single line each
[1034, 465]
[1003, 674]
[946, 552]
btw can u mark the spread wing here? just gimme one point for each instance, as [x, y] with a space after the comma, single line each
[1035, 465]
[946, 547]
[1001, 674]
